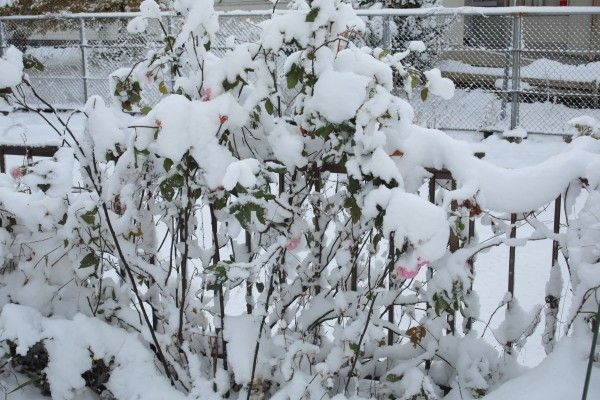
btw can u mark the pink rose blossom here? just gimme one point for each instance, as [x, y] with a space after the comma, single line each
[293, 244]
[149, 78]
[206, 94]
[407, 272]
[17, 173]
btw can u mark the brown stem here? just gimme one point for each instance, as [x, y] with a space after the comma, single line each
[218, 292]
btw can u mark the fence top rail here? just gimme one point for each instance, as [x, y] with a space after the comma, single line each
[482, 11]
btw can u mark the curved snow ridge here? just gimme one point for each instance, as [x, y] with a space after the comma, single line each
[496, 188]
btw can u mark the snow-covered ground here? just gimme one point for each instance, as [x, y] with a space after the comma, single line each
[479, 109]
[542, 68]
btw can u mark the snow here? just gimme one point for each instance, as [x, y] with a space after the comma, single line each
[19, 128]
[585, 125]
[438, 85]
[462, 113]
[560, 376]
[200, 17]
[150, 9]
[518, 132]
[338, 95]
[497, 188]
[287, 146]
[285, 29]
[354, 60]
[137, 25]
[417, 46]
[378, 164]
[175, 119]
[241, 333]
[412, 218]
[518, 324]
[542, 69]
[241, 172]
[103, 128]
[71, 345]
[11, 65]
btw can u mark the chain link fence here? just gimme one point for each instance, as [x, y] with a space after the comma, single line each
[528, 67]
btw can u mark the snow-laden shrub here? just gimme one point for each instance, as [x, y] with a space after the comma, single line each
[260, 231]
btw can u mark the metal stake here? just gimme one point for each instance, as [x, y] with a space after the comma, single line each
[516, 71]
[2, 38]
[84, 66]
[387, 39]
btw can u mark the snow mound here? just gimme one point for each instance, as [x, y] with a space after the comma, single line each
[11, 65]
[559, 377]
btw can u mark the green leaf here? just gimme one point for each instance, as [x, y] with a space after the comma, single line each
[243, 213]
[354, 347]
[169, 41]
[168, 186]
[269, 106]
[162, 88]
[294, 75]
[231, 85]
[392, 378]
[44, 187]
[220, 203]
[312, 15]
[146, 110]
[424, 94]
[167, 191]
[167, 164]
[30, 62]
[89, 217]
[260, 287]
[292, 81]
[325, 131]
[63, 220]
[90, 260]
[355, 211]
[177, 180]
[353, 185]
[376, 239]
[384, 53]
[415, 79]
[261, 194]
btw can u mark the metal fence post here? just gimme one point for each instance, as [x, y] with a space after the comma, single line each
[84, 66]
[2, 38]
[169, 28]
[516, 71]
[387, 39]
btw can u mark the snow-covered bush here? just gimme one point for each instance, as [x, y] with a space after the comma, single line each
[260, 232]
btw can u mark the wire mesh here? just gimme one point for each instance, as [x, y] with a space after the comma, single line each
[557, 57]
